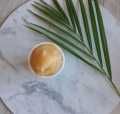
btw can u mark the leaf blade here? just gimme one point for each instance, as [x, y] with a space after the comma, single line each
[74, 17]
[57, 5]
[47, 13]
[85, 22]
[103, 38]
[70, 15]
[95, 32]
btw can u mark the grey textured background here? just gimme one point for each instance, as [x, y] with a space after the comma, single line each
[7, 6]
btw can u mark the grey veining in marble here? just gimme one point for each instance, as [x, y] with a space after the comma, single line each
[37, 97]
[79, 89]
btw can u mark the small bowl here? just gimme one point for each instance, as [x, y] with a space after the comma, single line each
[40, 44]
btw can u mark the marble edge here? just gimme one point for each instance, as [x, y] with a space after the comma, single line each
[5, 105]
[20, 5]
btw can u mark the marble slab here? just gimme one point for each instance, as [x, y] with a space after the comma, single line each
[79, 89]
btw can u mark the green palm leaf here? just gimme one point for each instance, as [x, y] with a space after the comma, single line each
[57, 5]
[51, 9]
[66, 30]
[52, 15]
[95, 31]
[73, 16]
[103, 38]
[86, 25]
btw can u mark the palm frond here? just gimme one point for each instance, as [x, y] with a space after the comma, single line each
[52, 15]
[66, 30]
[74, 18]
[103, 38]
[95, 31]
[52, 9]
[86, 25]
[71, 34]
[71, 17]
[61, 10]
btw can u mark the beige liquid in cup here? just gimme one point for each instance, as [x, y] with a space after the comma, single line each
[46, 60]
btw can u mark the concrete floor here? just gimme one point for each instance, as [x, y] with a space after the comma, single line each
[7, 6]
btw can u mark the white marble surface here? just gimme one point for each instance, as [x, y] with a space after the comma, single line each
[77, 90]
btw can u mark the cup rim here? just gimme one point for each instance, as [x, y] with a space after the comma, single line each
[44, 43]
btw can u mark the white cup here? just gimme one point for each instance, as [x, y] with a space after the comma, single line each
[44, 43]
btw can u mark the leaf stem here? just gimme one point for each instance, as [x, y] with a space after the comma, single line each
[115, 87]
